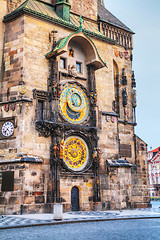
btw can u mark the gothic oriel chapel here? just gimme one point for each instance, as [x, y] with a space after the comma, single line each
[67, 109]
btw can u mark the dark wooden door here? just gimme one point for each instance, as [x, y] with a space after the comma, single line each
[75, 199]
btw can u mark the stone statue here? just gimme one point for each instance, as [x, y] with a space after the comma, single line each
[61, 149]
[134, 102]
[98, 154]
[124, 97]
[93, 97]
[95, 154]
[55, 151]
[72, 71]
[54, 87]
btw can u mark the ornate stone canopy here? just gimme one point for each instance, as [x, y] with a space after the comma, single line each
[92, 56]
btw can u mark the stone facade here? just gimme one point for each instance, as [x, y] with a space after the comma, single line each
[154, 172]
[42, 56]
[3, 11]
[32, 189]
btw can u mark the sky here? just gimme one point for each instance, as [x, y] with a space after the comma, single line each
[143, 18]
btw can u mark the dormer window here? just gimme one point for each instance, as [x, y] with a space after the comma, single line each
[79, 67]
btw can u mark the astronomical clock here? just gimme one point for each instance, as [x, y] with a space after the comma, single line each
[74, 108]
[75, 153]
[73, 104]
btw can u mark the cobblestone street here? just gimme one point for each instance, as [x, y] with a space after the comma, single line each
[147, 229]
[14, 221]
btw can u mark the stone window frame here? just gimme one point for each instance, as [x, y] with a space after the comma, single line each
[64, 62]
[40, 113]
[81, 67]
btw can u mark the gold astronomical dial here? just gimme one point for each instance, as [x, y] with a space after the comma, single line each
[73, 104]
[75, 153]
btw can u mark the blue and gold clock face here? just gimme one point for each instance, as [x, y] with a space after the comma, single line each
[73, 104]
[75, 153]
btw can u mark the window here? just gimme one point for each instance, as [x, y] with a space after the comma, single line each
[40, 110]
[141, 147]
[7, 181]
[79, 67]
[71, 53]
[62, 63]
[156, 180]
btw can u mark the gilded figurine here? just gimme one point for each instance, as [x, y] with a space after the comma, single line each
[95, 97]
[55, 151]
[95, 154]
[98, 154]
[61, 149]
[54, 87]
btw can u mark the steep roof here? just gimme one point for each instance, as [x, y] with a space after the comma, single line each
[47, 12]
[108, 17]
[156, 150]
[155, 153]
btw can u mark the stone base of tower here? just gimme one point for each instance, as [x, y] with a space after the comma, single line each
[33, 190]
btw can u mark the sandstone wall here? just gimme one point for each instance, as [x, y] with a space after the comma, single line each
[13, 57]
[13, 4]
[3, 12]
[32, 189]
[113, 130]
[85, 8]
[116, 188]
[141, 177]
[85, 186]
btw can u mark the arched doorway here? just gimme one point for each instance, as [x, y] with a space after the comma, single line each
[75, 199]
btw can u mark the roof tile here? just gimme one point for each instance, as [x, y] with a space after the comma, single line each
[108, 17]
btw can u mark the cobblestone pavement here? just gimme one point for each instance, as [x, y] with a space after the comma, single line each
[135, 229]
[14, 221]
[26, 220]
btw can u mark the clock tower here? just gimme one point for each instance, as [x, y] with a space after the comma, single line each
[67, 109]
[74, 103]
